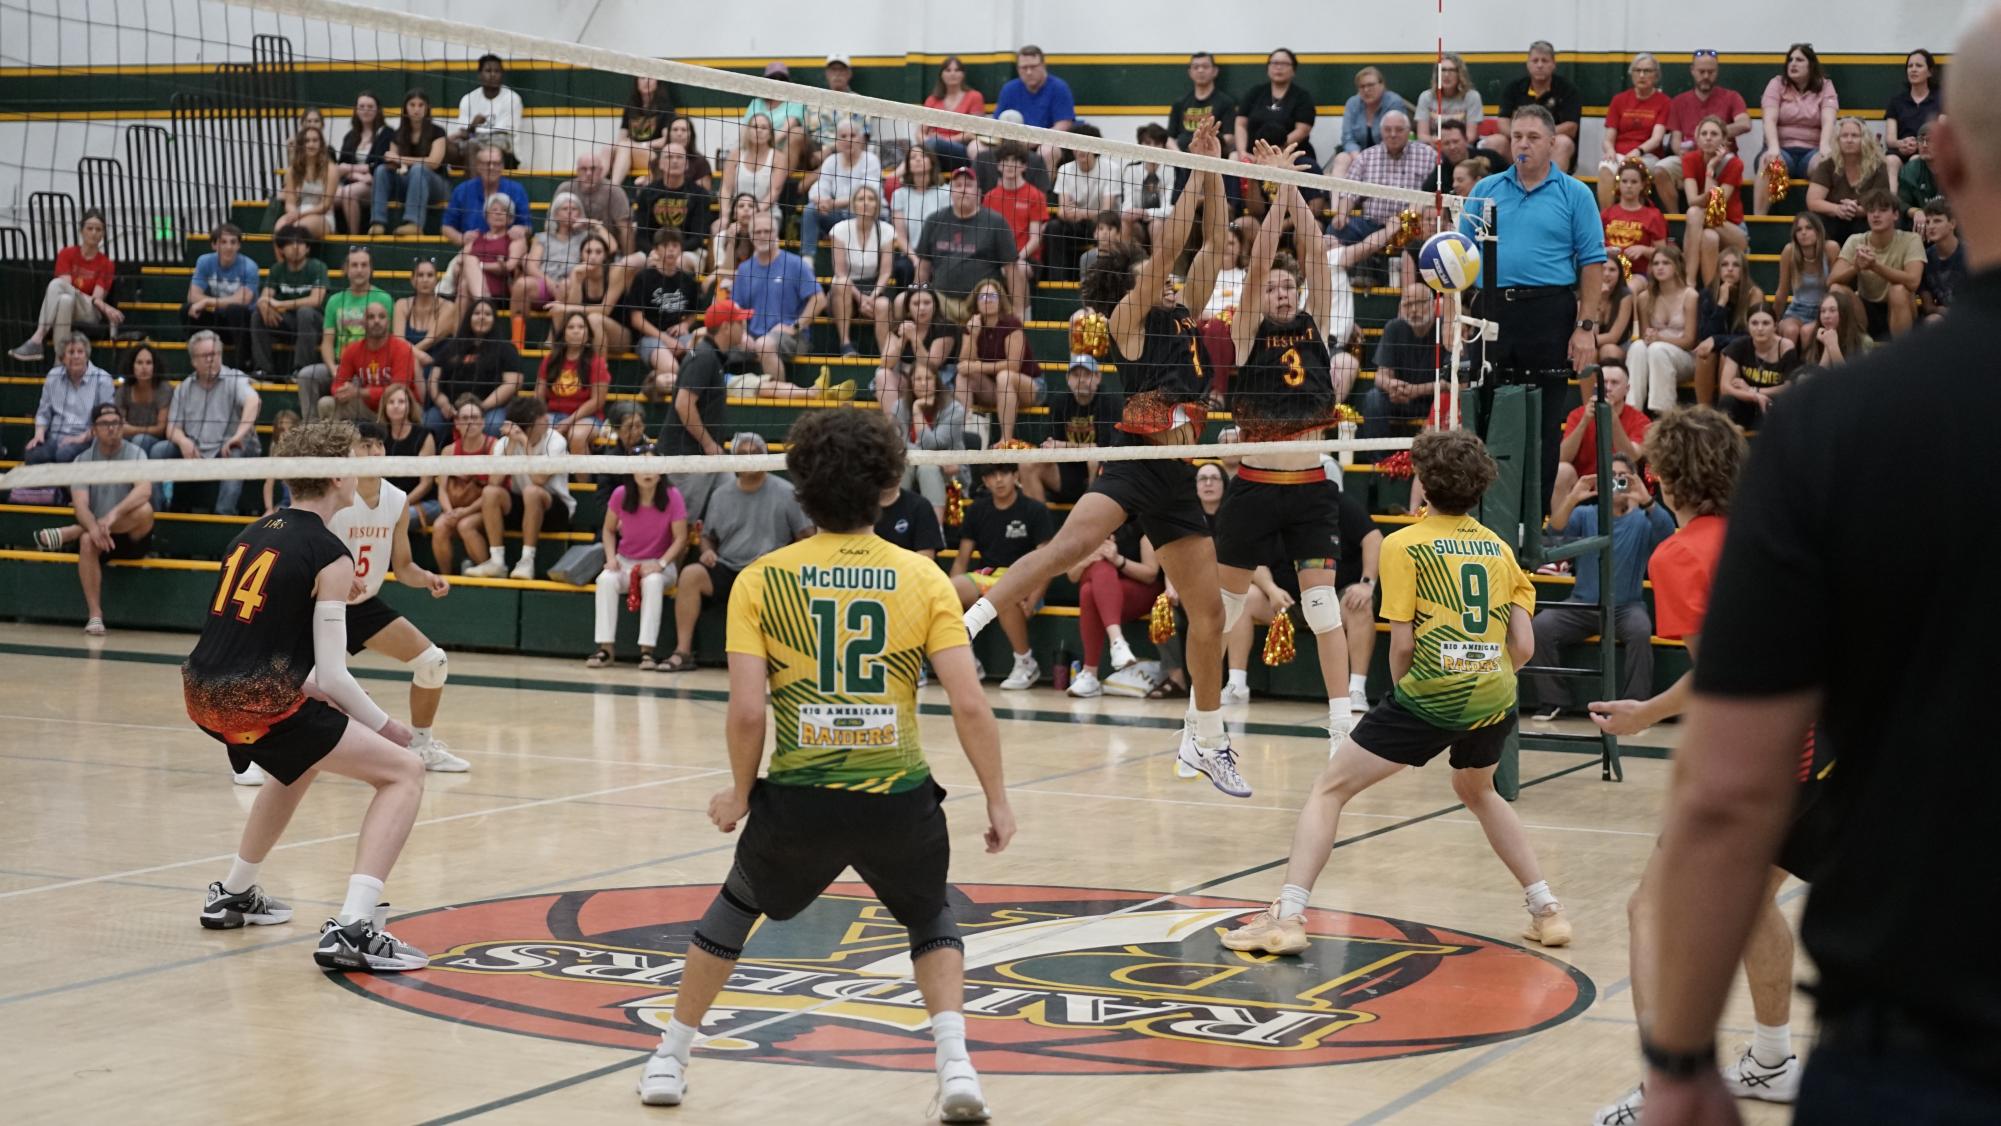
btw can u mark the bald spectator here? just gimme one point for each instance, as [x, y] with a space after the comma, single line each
[1398, 162]
[603, 202]
[214, 414]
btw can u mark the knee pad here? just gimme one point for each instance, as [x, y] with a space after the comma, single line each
[428, 669]
[1233, 609]
[940, 932]
[1321, 607]
[725, 926]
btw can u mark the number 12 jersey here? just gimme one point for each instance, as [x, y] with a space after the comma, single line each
[1455, 581]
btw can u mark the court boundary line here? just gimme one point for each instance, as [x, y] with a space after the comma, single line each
[602, 1071]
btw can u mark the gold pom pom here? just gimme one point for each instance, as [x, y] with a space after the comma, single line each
[1160, 620]
[1228, 315]
[1716, 210]
[1012, 444]
[1625, 268]
[1278, 641]
[1345, 413]
[1777, 182]
[1409, 223]
[955, 503]
[1091, 335]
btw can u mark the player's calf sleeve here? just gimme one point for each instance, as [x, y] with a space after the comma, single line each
[1233, 609]
[429, 668]
[940, 932]
[725, 926]
[1321, 607]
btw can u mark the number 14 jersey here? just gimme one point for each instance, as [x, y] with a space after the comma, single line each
[842, 623]
[1454, 581]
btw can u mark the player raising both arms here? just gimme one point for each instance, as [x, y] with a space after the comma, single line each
[836, 627]
[376, 529]
[1282, 506]
[1160, 363]
[278, 616]
[1459, 610]
[1695, 453]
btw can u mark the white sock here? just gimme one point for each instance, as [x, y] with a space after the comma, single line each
[528, 551]
[1771, 1044]
[242, 874]
[1240, 678]
[677, 1041]
[1339, 708]
[1024, 658]
[423, 734]
[363, 893]
[948, 1032]
[1292, 900]
[1358, 682]
[979, 616]
[1539, 896]
[1209, 727]
[1116, 635]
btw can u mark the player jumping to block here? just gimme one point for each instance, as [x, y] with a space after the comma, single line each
[837, 626]
[1459, 609]
[279, 615]
[1160, 363]
[1282, 506]
[376, 529]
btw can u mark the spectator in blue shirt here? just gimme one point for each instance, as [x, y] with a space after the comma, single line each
[1362, 117]
[1551, 246]
[465, 213]
[1042, 99]
[222, 292]
[784, 296]
[1639, 525]
[72, 391]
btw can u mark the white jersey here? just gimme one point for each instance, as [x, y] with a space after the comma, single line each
[369, 531]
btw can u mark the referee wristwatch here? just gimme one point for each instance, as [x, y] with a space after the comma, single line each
[1587, 325]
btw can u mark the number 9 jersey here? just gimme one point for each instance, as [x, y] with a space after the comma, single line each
[842, 623]
[1455, 581]
[256, 645]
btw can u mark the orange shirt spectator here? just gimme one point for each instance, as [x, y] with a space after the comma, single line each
[1632, 118]
[1020, 206]
[570, 388]
[375, 364]
[1632, 420]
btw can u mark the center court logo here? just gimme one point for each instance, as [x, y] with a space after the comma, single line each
[1059, 980]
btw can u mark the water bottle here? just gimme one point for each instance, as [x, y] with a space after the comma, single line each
[1064, 670]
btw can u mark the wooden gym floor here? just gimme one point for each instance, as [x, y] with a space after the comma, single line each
[115, 1005]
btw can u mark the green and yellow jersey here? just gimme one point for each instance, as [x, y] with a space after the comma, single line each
[842, 623]
[1454, 581]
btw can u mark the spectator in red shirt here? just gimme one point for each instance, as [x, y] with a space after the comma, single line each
[1712, 167]
[1579, 452]
[574, 380]
[952, 94]
[368, 366]
[1635, 125]
[80, 292]
[1705, 99]
[1633, 226]
[1025, 209]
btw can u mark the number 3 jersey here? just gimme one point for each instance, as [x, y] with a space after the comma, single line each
[842, 623]
[256, 645]
[1454, 581]
[369, 530]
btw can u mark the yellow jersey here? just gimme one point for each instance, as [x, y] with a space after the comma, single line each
[843, 622]
[1455, 581]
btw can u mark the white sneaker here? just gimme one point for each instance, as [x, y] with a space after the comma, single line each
[959, 1097]
[1749, 1079]
[1236, 694]
[438, 757]
[494, 568]
[1625, 1112]
[1122, 655]
[1086, 685]
[664, 1081]
[1187, 749]
[1026, 673]
[254, 776]
[524, 569]
[1219, 763]
[1358, 701]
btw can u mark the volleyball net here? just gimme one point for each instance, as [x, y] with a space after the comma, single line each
[568, 221]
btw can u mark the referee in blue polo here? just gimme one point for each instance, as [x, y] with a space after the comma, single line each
[1545, 282]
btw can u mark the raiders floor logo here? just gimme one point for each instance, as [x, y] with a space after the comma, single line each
[1059, 980]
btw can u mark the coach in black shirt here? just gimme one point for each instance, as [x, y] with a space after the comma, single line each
[1542, 86]
[1811, 619]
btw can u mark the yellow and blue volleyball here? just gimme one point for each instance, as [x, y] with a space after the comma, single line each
[1449, 262]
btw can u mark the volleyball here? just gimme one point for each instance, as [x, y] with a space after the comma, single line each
[1449, 262]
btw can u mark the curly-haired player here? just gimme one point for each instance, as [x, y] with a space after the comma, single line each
[1160, 364]
[836, 626]
[279, 616]
[1459, 610]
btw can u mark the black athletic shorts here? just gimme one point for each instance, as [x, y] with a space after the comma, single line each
[291, 746]
[365, 619]
[722, 578]
[1810, 837]
[1073, 480]
[126, 547]
[1261, 523]
[798, 839]
[1160, 494]
[555, 518]
[1390, 731]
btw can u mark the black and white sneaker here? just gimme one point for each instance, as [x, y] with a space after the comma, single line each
[228, 910]
[364, 945]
